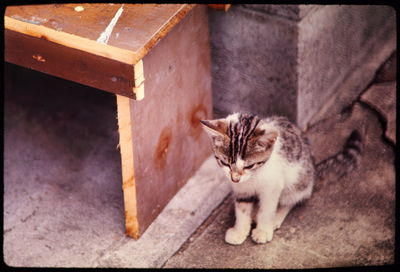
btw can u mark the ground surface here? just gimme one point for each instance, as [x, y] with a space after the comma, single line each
[63, 198]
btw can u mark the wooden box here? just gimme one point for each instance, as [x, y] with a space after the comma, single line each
[156, 59]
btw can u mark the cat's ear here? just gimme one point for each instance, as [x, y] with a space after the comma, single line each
[216, 129]
[266, 139]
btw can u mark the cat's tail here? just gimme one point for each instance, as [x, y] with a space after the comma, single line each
[348, 159]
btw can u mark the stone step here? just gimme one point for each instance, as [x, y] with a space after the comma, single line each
[382, 98]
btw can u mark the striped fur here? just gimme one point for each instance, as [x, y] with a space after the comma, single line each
[239, 134]
[344, 161]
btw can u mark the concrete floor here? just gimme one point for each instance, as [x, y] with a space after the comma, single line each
[63, 202]
[63, 199]
[61, 165]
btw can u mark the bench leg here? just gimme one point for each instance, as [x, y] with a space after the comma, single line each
[127, 164]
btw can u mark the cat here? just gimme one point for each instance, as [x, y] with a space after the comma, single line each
[270, 164]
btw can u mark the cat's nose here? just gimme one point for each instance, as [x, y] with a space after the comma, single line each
[235, 177]
[235, 180]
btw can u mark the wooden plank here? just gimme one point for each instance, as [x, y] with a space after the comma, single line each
[138, 29]
[168, 140]
[125, 130]
[68, 63]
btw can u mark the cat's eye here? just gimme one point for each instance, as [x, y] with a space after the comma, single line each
[222, 162]
[249, 166]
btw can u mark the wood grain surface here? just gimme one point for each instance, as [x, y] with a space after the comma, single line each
[69, 63]
[138, 29]
[168, 141]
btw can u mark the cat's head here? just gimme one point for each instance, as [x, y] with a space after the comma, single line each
[241, 144]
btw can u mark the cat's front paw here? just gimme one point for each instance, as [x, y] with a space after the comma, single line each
[235, 236]
[261, 236]
[277, 225]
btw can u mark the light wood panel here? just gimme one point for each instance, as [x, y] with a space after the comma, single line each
[125, 129]
[168, 141]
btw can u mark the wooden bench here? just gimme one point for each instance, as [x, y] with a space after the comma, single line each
[156, 59]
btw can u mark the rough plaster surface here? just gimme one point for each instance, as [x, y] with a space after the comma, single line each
[254, 62]
[294, 59]
[292, 12]
[338, 44]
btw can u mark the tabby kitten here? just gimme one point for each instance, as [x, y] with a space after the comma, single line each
[269, 163]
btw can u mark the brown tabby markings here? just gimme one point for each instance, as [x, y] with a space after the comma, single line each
[239, 134]
[292, 147]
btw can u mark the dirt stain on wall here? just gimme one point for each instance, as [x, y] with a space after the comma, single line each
[164, 141]
[198, 113]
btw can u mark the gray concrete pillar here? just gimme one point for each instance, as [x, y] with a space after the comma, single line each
[296, 60]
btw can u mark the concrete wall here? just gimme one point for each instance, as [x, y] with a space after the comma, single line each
[296, 60]
[334, 41]
[250, 69]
